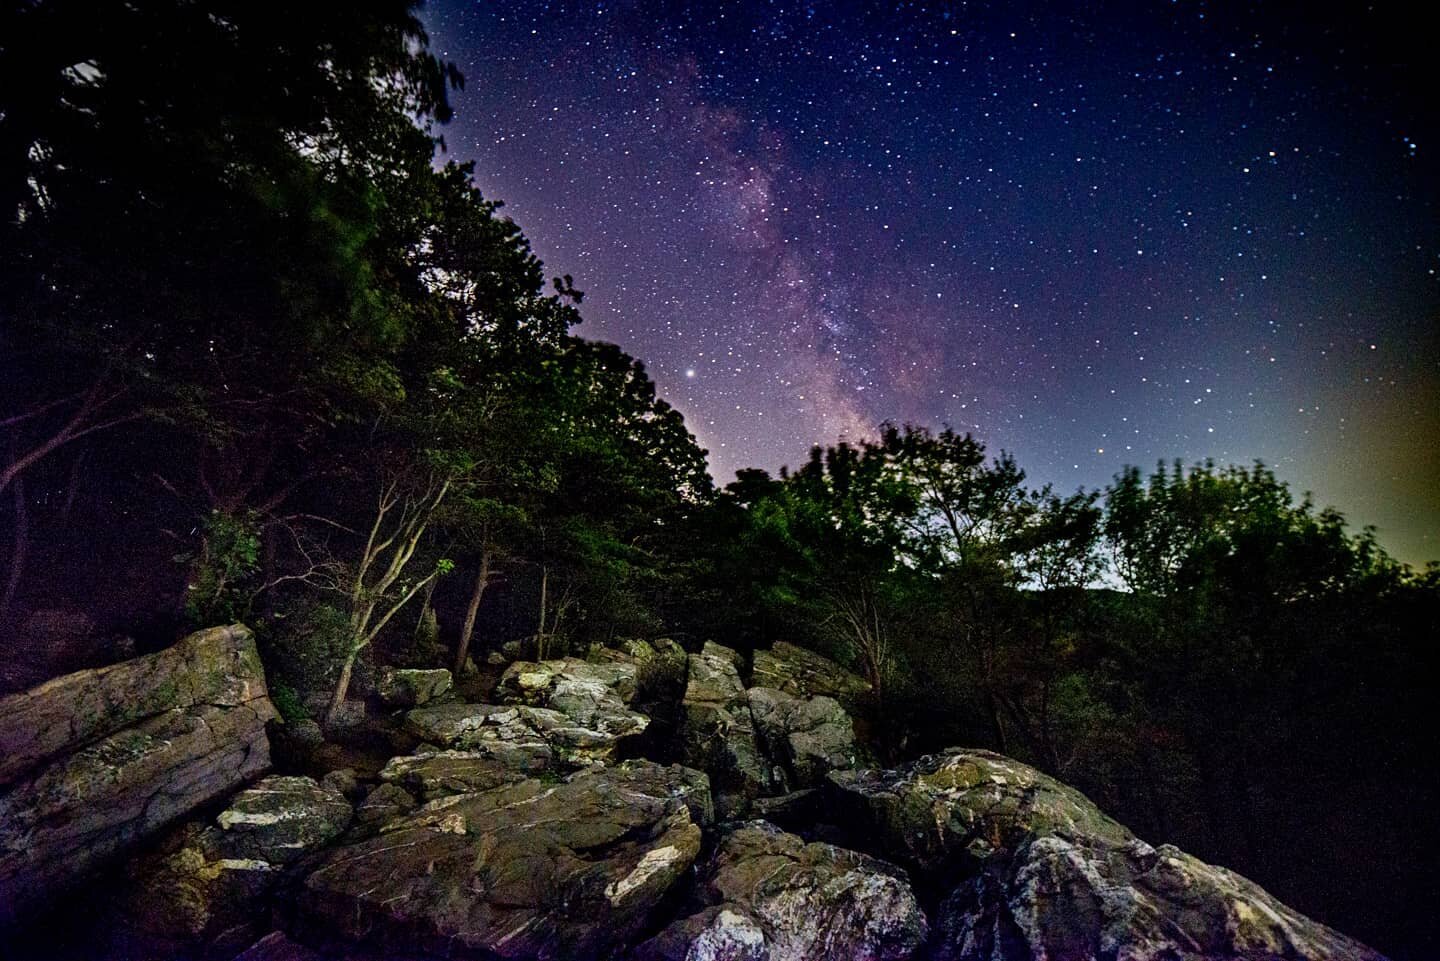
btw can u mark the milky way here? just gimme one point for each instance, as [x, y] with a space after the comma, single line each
[1093, 239]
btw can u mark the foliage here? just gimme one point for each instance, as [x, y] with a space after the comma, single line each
[224, 572]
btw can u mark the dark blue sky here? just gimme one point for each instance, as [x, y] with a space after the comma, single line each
[1093, 235]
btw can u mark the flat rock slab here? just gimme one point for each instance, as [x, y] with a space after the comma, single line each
[218, 667]
[432, 776]
[773, 897]
[530, 870]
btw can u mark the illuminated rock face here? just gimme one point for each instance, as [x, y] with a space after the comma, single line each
[766, 895]
[573, 869]
[96, 761]
[1035, 870]
[513, 831]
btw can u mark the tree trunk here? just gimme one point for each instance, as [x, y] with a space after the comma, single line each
[342, 687]
[540, 631]
[22, 548]
[424, 606]
[467, 630]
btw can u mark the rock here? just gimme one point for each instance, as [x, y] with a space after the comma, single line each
[805, 737]
[203, 893]
[595, 697]
[275, 946]
[304, 733]
[1062, 898]
[218, 667]
[958, 808]
[281, 818]
[662, 670]
[411, 687]
[529, 870]
[804, 673]
[440, 774]
[717, 732]
[161, 735]
[520, 737]
[382, 805]
[342, 781]
[797, 808]
[1037, 871]
[772, 897]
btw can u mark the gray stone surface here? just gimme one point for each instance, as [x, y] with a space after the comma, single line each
[803, 673]
[529, 870]
[431, 776]
[1039, 872]
[804, 737]
[769, 896]
[1083, 898]
[411, 687]
[958, 808]
[717, 732]
[518, 735]
[162, 736]
[216, 667]
[202, 893]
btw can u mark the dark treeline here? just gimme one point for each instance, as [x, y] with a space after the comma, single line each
[265, 360]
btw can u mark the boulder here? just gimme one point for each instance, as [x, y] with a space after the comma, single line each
[218, 667]
[662, 670]
[717, 732]
[202, 893]
[805, 737]
[1037, 871]
[281, 818]
[383, 804]
[956, 809]
[769, 896]
[519, 737]
[434, 775]
[275, 946]
[112, 755]
[803, 673]
[411, 687]
[574, 869]
[595, 697]
[1084, 898]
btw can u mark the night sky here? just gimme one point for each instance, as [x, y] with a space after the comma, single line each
[1092, 238]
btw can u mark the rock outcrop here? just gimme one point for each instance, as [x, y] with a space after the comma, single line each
[717, 731]
[1039, 872]
[93, 762]
[528, 870]
[769, 896]
[411, 687]
[202, 893]
[519, 737]
[804, 737]
[514, 830]
[595, 698]
[803, 673]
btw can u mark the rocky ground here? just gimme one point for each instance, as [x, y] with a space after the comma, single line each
[641, 803]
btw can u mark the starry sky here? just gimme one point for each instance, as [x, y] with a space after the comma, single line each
[1092, 234]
